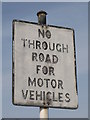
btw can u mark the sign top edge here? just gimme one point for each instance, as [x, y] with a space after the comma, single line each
[23, 21]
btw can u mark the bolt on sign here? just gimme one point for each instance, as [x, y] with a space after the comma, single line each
[44, 66]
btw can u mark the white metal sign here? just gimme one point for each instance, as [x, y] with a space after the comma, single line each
[44, 69]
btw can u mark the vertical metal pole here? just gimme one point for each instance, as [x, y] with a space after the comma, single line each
[44, 113]
[42, 21]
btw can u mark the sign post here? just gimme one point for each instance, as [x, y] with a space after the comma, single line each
[42, 21]
[43, 65]
[44, 113]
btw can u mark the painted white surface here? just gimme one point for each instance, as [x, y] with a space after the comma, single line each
[24, 67]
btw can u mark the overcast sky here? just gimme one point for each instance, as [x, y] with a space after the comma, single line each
[45, 0]
[74, 15]
[0, 59]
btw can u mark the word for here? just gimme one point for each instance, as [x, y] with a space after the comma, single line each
[44, 96]
[46, 70]
[46, 82]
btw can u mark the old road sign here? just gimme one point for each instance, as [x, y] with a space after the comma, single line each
[44, 66]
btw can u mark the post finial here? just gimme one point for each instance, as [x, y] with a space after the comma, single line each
[41, 17]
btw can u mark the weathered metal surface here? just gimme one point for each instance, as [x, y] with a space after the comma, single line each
[44, 66]
[41, 17]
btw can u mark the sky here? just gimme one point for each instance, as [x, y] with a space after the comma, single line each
[72, 15]
[44, 1]
[0, 60]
